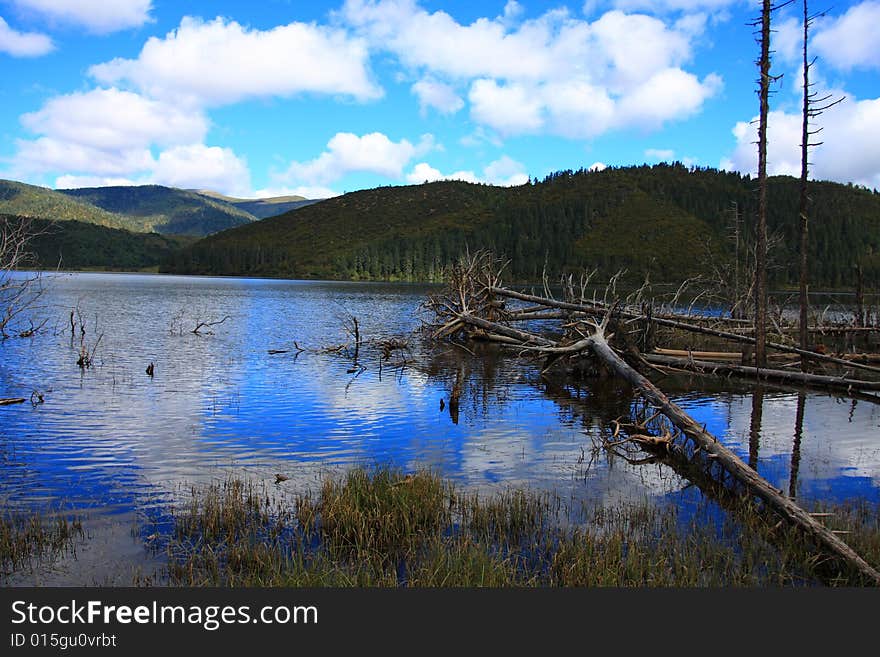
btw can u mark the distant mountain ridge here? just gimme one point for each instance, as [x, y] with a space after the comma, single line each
[262, 208]
[25, 200]
[166, 210]
[142, 208]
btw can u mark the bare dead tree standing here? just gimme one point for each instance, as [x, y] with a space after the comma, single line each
[18, 292]
[761, 229]
[812, 107]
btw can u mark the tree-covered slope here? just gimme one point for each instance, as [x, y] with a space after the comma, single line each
[70, 245]
[165, 209]
[24, 200]
[666, 221]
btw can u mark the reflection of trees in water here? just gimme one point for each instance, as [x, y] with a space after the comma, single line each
[594, 404]
[755, 427]
[481, 376]
[796, 446]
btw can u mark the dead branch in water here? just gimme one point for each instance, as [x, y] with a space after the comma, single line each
[762, 373]
[468, 309]
[595, 310]
[207, 324]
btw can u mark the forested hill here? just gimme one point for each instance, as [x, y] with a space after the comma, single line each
[25, 200]
[664, 220]
[74, 245]
[167, 210]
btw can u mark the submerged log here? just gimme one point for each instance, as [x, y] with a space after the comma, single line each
[762, 373]
[714, 355]
[597, 344]
[732, 463]
[685, 326]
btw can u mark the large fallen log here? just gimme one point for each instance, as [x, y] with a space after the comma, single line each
[597, 344]
[731, 462]
[762, 373]
[715, 355]
[685, 326]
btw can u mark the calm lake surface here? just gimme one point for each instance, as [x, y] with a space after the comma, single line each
[118, 447]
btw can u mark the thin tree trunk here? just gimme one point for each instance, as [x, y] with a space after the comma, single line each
[804, 199]
[796, 446]
[755, 426]
[761, 232]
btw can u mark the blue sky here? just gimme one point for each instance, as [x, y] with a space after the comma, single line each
[319, 98]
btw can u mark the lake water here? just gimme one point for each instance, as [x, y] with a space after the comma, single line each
[118, 447]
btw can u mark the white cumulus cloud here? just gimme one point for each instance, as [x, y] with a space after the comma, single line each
[504, 171]
[306, 191]
[221, 61]
[554, 74]
[78, 182]
[850, 41]
[851, 122]
[662, 6]
[23, 44]
[437, 95]
[113, 119]
[196, 166]
[98, 16]
[104, 132]
[108, 137]
[347, 152]
[509, 109]
[49, 154]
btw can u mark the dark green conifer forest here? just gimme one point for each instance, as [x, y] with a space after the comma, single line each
[665, 221]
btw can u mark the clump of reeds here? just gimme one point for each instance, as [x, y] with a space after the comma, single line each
[26, 539]
[382, 527]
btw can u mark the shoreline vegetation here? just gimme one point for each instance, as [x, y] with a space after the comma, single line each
[28, 541]
[153, 271]
[383, 527]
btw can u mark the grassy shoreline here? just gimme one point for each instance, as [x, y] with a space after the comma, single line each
[381, 527]
[28, 541]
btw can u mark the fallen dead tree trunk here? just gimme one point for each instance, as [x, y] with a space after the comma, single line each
[732, 463]
[594, 310]
[715, 355]
[761, 373]
[468, 309]
[597, 344]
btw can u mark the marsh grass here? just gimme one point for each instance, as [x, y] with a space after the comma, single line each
[26, 540]
[381, 527]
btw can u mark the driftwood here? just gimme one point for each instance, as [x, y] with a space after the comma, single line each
[597, 344]
[593, 309]
[469, 310]
[762, 373]
[731, 462]
[714, 355]
[13, 400]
